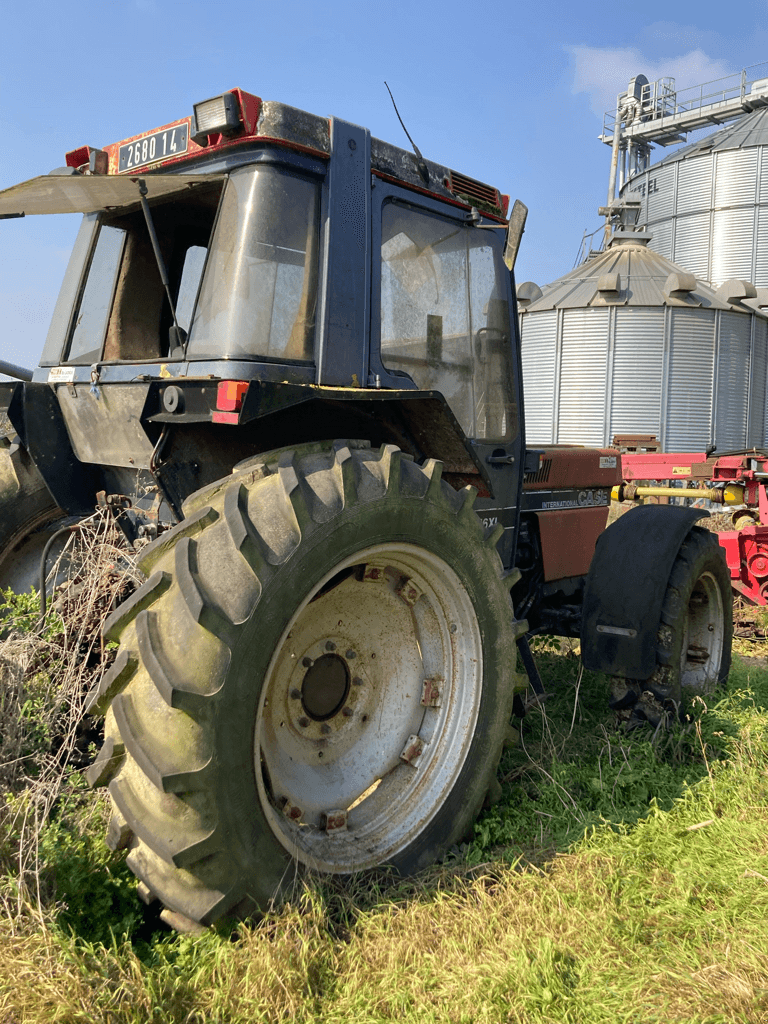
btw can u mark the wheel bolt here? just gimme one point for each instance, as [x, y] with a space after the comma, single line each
[347, 712]
[330, 645]
[296, 694]
[303, 722]
[306, 662]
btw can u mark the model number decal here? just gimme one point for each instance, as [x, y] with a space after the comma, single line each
[61, 375]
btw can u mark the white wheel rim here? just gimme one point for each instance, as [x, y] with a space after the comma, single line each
[702, 652]
[354, 757]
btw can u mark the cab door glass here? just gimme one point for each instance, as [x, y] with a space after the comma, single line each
[494, 408]
[445, 315]
[92, 317]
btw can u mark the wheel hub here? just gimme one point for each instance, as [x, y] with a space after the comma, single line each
[325, 687]
[324, 699]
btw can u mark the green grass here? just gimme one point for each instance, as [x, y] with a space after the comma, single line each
[620, 878]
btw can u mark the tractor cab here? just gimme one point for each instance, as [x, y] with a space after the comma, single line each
[253, 242]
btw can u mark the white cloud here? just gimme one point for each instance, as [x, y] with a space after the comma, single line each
[604, 72]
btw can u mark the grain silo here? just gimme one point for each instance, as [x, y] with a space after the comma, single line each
[628, 342]
[706, 204]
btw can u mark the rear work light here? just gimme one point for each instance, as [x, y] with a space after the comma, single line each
[218, 116]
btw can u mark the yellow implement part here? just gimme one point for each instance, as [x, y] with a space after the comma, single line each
[731, 494]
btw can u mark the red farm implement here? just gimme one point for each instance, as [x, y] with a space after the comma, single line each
[736, 480]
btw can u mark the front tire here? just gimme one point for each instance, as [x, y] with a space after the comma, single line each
[318, 676]
[694, 637]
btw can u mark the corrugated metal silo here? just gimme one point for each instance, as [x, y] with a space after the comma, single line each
[630, 343]
[706, 204]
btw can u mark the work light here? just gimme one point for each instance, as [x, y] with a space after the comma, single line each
[217, 116]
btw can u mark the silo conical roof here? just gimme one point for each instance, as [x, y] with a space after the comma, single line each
[644, 278]
[749, 130]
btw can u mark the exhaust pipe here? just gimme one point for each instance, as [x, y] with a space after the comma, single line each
[19, 372]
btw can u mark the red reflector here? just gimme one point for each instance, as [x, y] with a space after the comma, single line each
[229, 396]
[78, 157]
[225, 417]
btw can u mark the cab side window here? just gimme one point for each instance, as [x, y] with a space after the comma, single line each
[445, 315]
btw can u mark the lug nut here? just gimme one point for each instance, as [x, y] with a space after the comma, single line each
[303, 722]
[351, 654]
[325, 728]
[347, 712]
[296, 694]
[330, 645]
[307, 662]
[357, 681]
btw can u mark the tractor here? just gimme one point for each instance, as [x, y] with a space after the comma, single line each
[287, 356]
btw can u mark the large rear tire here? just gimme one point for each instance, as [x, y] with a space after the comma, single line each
[694, 637]
[29, 516]
[317, 676]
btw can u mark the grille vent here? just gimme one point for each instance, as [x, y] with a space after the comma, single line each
[541, 476]
[476, 191]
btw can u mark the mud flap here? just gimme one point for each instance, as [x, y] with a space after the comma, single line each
[625, 588]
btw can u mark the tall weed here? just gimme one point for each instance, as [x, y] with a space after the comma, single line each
[47, 668]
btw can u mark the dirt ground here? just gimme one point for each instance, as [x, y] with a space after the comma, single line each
[717, 522]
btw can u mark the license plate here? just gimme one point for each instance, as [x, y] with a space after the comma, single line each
[160, 145]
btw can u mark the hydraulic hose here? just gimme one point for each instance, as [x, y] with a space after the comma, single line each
[44, 561]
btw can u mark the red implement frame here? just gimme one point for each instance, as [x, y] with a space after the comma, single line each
[746, 549]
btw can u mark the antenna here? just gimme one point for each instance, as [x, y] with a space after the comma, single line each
[420, 161]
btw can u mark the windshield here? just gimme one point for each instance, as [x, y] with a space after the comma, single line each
[445, 315]
[259, 294]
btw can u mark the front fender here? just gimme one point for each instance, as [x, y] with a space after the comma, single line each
[625, 588]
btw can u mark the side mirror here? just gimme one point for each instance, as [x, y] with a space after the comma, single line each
[515, 233]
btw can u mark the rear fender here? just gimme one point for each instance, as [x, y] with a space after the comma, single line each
[35, 414]
[625, 588]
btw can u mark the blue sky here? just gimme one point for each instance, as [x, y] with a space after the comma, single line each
[511, 93]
